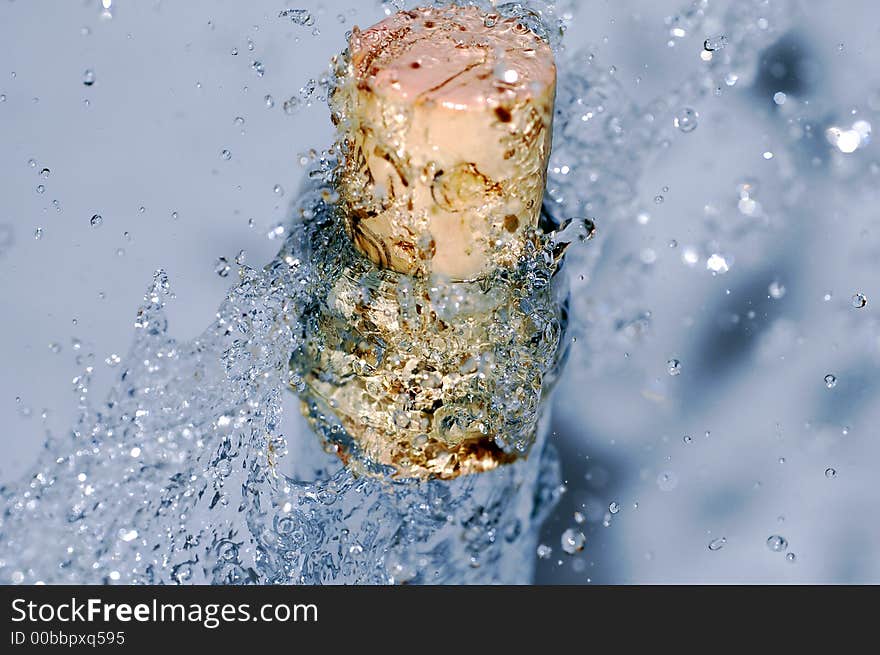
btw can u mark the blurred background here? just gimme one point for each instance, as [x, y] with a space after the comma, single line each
[717, 419]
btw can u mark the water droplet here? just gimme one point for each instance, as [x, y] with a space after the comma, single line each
[222, 267]
[544, 551]
[673, 367]
[776, 290]
[44, 173]
[96, 220]
[239, 120]
[830, 381]
[38, 233]
[41, 188]
[614, 507]
[89, 77]
[686, 120]
[667, 481]
[113, 360]
[573, 541]
[830, 473]
[32, 163]
[174, 215]
[234, 52]
[278, 190]
[714, 43]
[240, 257]
[225, 155]
[298, 16]
[270, 101]
[128, 534]
[258, 68]
[510, 76]
[717, 264]
[791, 557]
[717, 544]
[777, 543]
[779, 98]
[688, 439]
[55, 347]
[859, 300]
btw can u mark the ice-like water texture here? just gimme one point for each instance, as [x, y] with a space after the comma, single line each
[174, 477]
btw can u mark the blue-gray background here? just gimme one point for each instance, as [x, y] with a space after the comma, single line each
[747, 442]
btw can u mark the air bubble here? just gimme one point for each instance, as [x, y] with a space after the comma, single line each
[859, 300]
[830, 381]
[673, 367]
[89, 77]
[830, 473]
[96, 220]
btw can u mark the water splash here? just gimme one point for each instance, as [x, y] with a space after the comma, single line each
[176, 476]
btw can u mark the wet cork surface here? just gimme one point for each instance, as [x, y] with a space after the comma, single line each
[446, 118]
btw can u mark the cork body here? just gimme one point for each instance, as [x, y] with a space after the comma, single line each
[436, 330]
[445, 116]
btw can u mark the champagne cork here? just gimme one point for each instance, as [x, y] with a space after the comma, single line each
[445, 118]
[431, 356]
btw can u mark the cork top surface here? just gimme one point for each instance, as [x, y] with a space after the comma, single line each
[458, 57]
